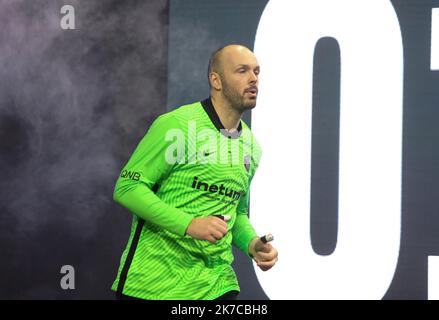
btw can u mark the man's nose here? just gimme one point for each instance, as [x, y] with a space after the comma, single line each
[253, 77]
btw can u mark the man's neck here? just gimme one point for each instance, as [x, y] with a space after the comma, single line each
[229, 116]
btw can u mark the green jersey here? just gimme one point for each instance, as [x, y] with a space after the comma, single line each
[186, 166]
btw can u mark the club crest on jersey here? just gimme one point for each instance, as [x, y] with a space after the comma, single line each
[247, 163]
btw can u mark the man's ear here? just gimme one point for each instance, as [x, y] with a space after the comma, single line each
[215, 81]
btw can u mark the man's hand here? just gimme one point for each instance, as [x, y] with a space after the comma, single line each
[207, 228]
[264, 254]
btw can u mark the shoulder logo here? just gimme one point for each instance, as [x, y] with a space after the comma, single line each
[247, 163]
[130, 175]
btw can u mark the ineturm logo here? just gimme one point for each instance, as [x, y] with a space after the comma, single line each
[130, 175]
[213, 188]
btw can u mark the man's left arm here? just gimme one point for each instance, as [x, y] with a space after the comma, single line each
[246, 238]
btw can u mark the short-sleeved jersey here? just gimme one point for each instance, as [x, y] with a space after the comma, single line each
[186, 166]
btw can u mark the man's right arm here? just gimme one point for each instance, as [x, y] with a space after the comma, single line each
[146, 167]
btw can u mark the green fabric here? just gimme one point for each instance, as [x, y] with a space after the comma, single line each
[146, 166]
[243, 233]
[167, 264]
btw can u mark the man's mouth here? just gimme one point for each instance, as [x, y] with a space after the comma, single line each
[252, 91]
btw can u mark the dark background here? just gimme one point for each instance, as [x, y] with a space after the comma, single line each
[74, 104]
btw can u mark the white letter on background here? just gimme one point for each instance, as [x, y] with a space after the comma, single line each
[369, 218]
[434, 65]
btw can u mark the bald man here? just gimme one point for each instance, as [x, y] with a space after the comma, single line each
[187, 187]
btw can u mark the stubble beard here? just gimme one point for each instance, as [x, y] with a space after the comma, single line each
[237, 100]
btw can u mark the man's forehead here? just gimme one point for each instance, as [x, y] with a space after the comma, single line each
[240, 58]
